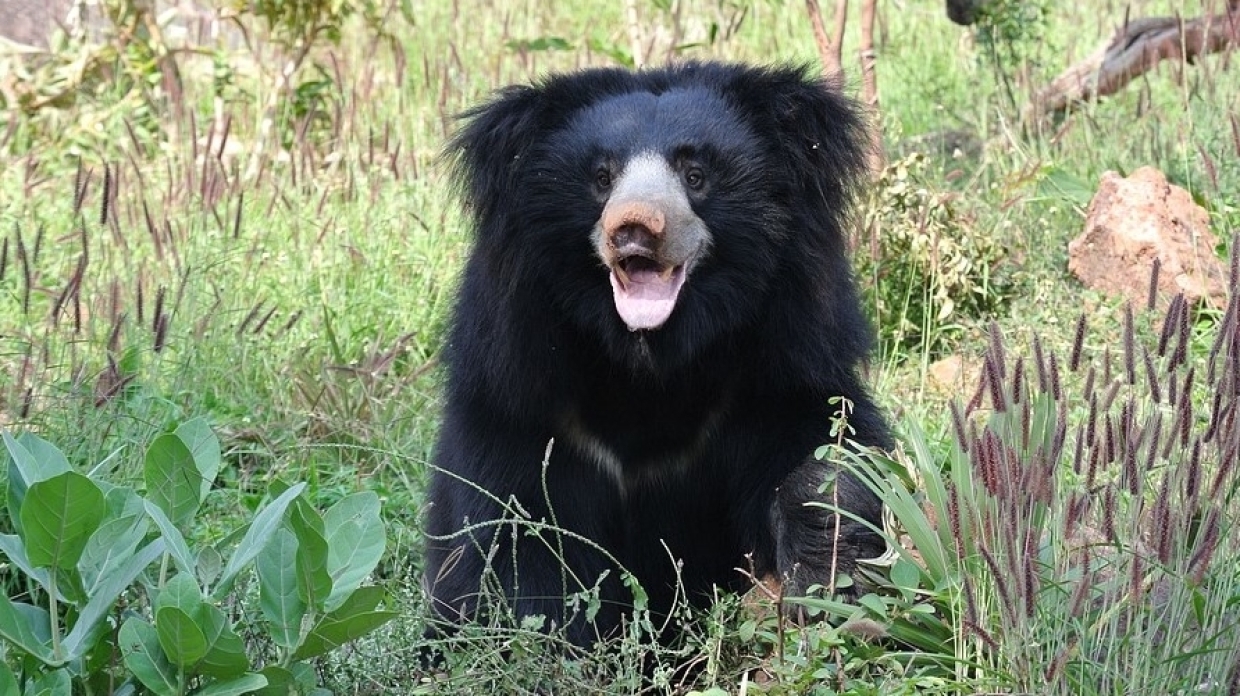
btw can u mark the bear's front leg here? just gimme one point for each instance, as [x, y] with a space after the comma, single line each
[812, 542]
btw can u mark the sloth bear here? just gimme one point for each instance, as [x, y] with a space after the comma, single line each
[655, 315]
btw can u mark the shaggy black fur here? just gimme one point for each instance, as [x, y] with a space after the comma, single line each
[687, 444]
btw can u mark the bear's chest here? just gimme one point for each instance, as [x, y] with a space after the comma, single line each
[643, 443]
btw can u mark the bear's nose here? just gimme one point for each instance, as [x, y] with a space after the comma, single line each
[633, 222]
[634, 237]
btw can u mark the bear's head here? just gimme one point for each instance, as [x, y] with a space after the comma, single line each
[658, 210]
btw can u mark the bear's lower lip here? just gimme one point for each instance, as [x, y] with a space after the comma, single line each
[645, 291]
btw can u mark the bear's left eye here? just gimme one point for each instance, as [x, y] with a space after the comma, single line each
[694, 178]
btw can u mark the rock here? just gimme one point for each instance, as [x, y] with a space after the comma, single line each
[28, 22]
[954, 375]
[1133, 221]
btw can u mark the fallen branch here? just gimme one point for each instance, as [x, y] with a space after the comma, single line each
[1135, 49]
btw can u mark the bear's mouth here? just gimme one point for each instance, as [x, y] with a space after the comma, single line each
[645, 290]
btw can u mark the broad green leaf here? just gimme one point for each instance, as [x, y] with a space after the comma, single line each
[331, 633]
[110, 545]
[180, 636]
[363, 600]
[204, 446]
[172, 479]
[38, 619]
[874, 603]
[304, 675]
[31, 459]
[280, 681]
[355, 542]
[298, 678]
[58, 516]
[69, 583]
[181, 592]
[1058, 184]
[265, 524]
[54, 683]
[15, 627]
[123, 501]
[45, 460]
[314, 582]
[208, 565]
[107, 590]
[302, 512]
[747, 631]
[245, 684]
[8, 682]
[13, 548]
[905, 574]
[277, 588]
[225, 657]
[177, 547]
[140, 649]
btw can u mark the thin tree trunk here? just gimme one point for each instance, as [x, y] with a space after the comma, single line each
[830, 51]
[869, 82]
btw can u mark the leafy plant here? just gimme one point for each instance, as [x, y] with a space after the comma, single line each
[1012, 33]
[126, 73]
[927, 263]
[89, 84]
[902, 624]
[84, 545]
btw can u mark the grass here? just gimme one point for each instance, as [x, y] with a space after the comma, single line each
[147, 280]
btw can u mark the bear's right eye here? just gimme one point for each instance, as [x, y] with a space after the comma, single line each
[695, 179]
[602, 179]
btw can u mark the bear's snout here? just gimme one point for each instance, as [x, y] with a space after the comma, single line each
[634, 228]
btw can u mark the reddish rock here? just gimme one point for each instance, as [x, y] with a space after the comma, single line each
[954, 375]
[1132, 221]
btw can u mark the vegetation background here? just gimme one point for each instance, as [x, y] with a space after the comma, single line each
[235, 215]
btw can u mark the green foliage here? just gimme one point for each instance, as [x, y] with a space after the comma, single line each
[1012, 33]
[297, 23]
[925, 263]
[87, 86]
[125, 72]
[86, 545]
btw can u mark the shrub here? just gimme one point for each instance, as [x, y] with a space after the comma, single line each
[83, 546]
[129, 75]
[927, 264]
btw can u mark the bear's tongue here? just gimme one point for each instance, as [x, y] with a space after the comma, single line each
[645, 292]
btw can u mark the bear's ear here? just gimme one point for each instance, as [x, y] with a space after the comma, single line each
[486, 152]
[822, 134]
